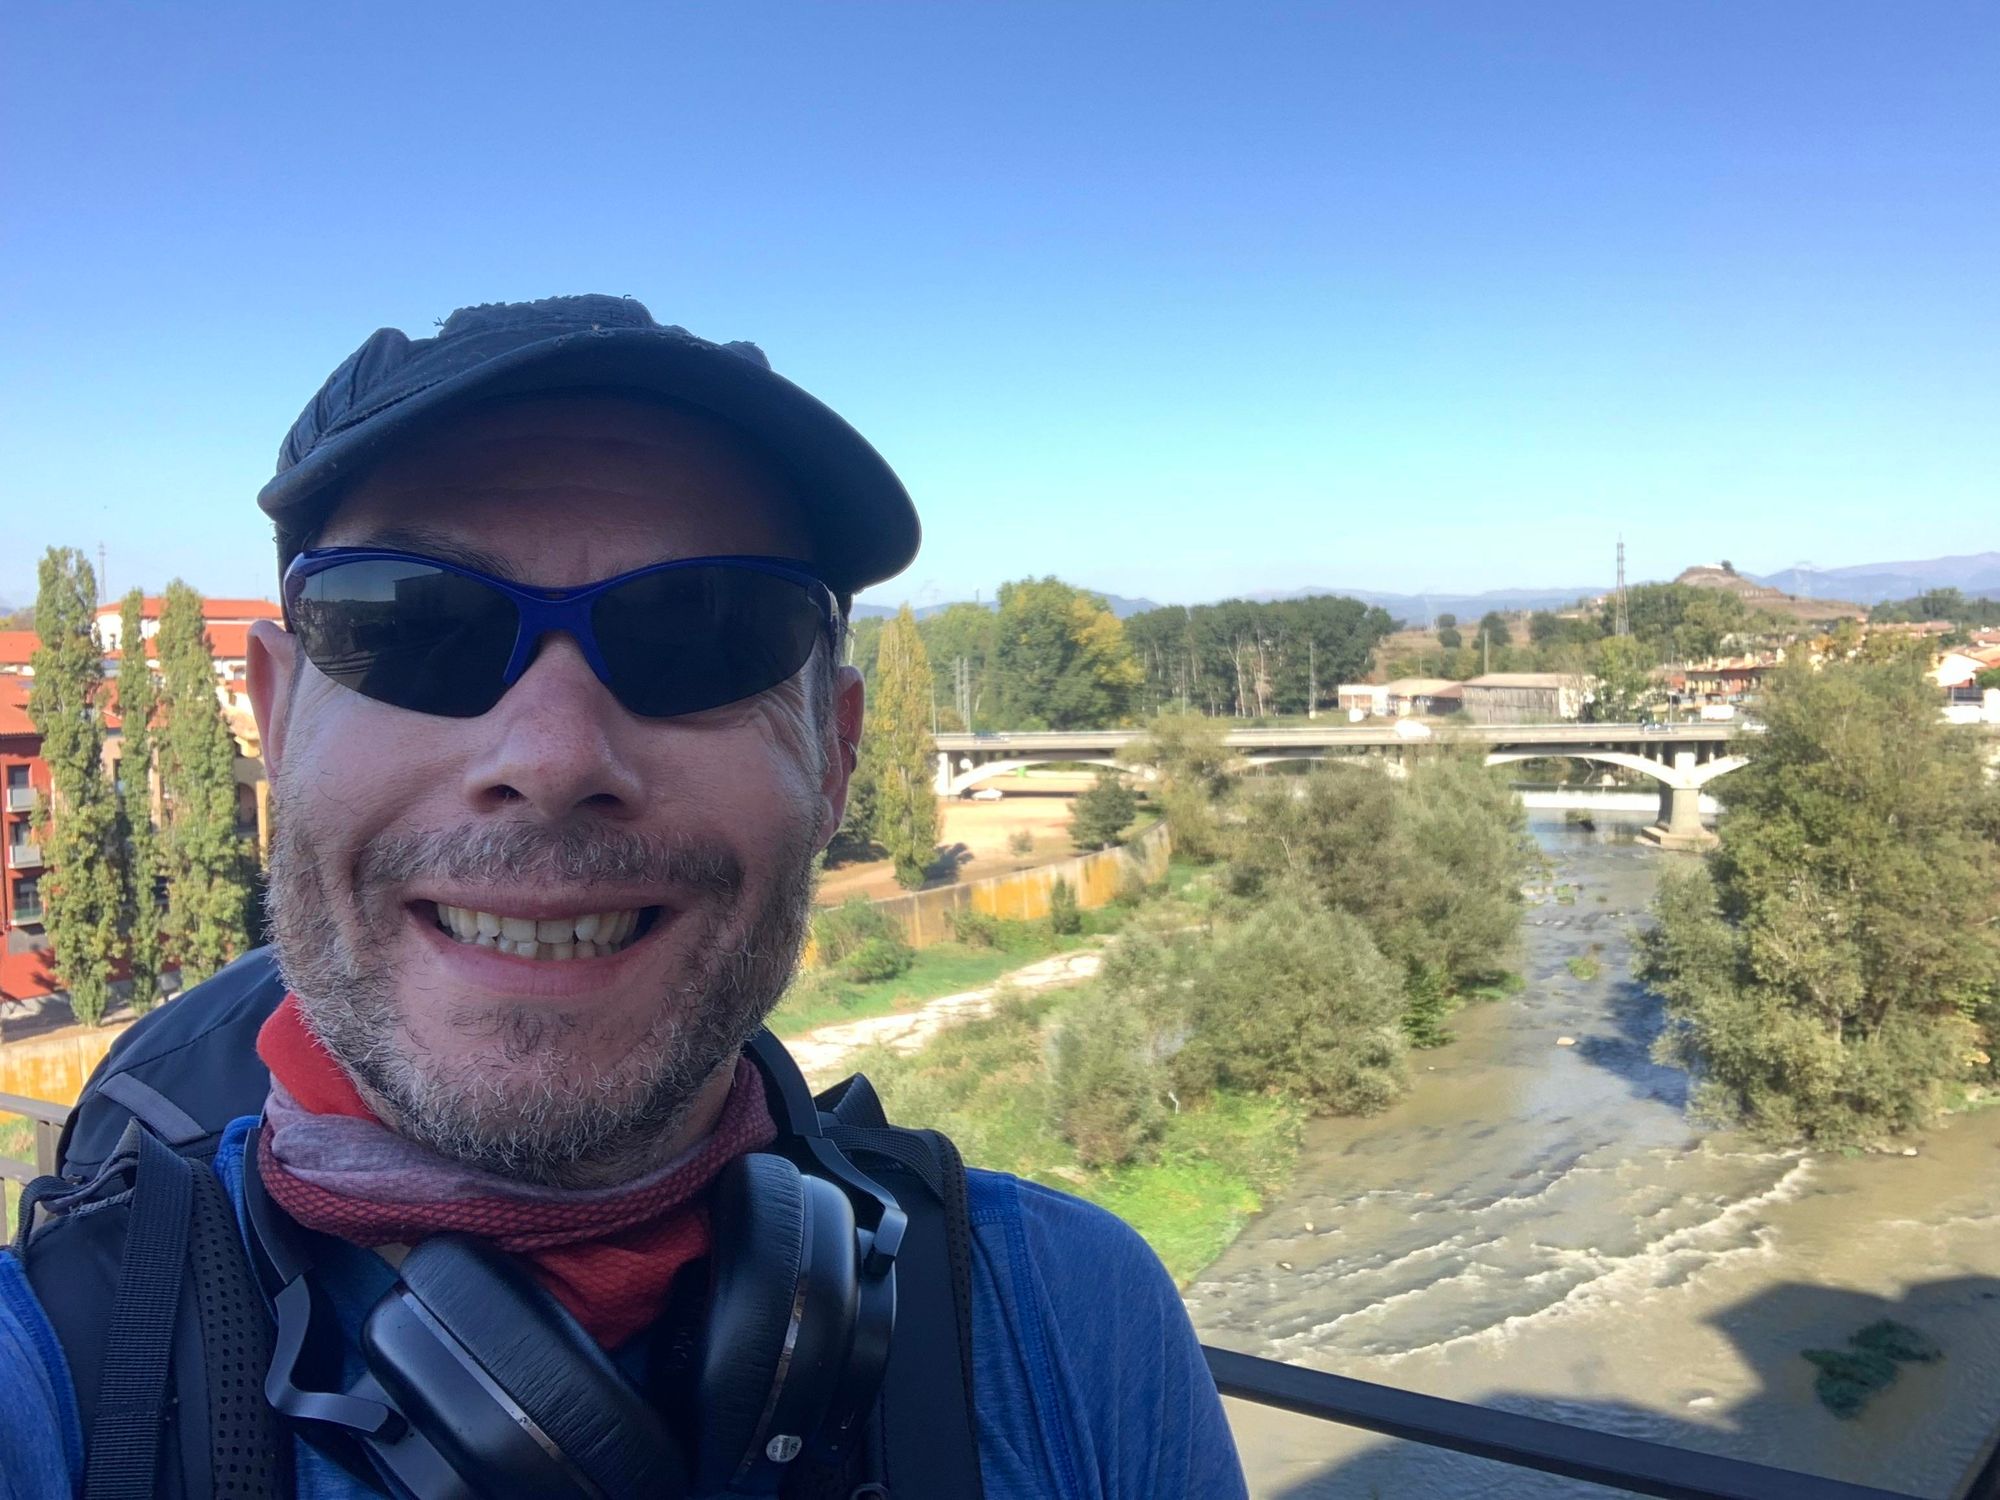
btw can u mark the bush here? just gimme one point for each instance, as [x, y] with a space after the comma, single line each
[877, 959]
[1106, 1092]
[1065, 917]
[1101, 815]
[858, 925]
[1427, 1001]
[975, 929]
[1021, 841]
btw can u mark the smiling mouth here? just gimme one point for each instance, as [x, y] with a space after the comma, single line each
[597, 934]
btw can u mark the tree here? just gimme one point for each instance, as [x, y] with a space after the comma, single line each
[1834, 968]
[1188, 755]
[82, 890]
[1493, 626]
[902, 755]
[208, 875]
[138, 701]
[1447, 620]
[1621, 680]
[1449, 638]
[1099, 817]
[959, 638]
[1062, 658]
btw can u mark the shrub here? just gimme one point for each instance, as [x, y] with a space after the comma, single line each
[843, 932]
[1101, 815]
[1021, 841]
[1106, 1092]
[975, 929]
[1065, 917]
[877, 959]
[1427, 1001]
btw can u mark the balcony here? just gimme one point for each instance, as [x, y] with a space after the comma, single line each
[24, 856]
[27, 916]
[23, 799]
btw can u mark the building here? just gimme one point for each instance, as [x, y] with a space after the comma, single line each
[1399, 699]
[237, 612]
[1523, 698]
[17, 652]
[25, 777]
[1732, 680]
[1957, 671]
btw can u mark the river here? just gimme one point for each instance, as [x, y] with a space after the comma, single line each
[1538, 1227]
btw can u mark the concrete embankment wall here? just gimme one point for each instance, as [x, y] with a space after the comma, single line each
[925, 916]
[54, 1067]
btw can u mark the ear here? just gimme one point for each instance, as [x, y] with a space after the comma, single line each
[273, 670]
[842, 757]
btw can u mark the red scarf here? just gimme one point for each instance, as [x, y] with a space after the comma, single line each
[607, 1255]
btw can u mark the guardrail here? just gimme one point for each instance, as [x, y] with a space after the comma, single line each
[48, 1119]
[1507, 1437]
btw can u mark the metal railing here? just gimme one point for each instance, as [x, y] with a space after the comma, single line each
[1507, 1437]
[22, 799]
[27, 916]
[25, 856]
[48, 1121]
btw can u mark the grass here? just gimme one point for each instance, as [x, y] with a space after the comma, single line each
[1583, 966]
[17, 1139]
[985, 1084]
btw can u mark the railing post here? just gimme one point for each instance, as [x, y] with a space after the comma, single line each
[48, 1136]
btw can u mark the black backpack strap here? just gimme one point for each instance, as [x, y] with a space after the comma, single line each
[219, 1363]
[930, 1438]
[124, 1450]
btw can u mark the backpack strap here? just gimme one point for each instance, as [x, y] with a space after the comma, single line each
[124, 1451]
[929, 1433]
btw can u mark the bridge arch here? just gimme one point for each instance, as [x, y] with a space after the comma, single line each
[961, 782]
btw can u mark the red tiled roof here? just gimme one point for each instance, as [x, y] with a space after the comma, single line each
[211, 609]
[17, 647]
[14, 707]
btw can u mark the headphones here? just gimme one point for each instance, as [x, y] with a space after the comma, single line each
[478, 1382]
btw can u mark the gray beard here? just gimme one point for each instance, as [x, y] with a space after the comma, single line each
[555, 1118]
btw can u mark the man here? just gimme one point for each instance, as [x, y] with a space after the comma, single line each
[554, 734]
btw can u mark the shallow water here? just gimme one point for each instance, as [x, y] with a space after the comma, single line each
[1538, 1227]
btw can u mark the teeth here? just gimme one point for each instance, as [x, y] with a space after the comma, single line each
[595, 934]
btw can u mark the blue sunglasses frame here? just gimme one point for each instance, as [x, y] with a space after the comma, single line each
[543, 611]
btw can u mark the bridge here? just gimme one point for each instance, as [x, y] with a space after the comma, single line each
[1682, 758]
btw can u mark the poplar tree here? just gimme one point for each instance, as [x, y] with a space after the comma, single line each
[901, 752]
[138, 701]
[82, 888]
[208, 879]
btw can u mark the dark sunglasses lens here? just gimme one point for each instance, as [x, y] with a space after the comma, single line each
[407, 634]
[692, 638]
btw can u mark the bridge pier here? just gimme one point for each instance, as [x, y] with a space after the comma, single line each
[1680, 825]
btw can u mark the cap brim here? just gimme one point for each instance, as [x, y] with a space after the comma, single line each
[865, 528]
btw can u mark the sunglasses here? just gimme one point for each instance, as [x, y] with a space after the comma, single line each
[438, 638]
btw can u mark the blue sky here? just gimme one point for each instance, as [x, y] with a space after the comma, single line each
[1171, 300]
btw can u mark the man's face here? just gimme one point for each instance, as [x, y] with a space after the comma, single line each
[688, 840]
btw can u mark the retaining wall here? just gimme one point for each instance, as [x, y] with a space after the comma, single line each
[54, 1067]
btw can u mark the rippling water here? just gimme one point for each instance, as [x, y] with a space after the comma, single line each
[1538, 1227]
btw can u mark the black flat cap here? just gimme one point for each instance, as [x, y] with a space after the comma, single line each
[864, 526]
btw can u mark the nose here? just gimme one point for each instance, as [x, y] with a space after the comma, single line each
[558, 743]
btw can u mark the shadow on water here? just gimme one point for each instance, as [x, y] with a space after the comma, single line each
[1922, 1435]
[1623, 1045]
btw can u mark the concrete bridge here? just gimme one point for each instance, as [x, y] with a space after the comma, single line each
[1682, 758]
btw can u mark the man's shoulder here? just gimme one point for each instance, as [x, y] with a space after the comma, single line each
[1054, 1228]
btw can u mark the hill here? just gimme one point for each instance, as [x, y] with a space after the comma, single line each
[1976, 573]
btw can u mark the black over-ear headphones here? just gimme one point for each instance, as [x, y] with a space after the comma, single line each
[478, 1382]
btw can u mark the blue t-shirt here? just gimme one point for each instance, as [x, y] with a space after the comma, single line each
[1087, 1378]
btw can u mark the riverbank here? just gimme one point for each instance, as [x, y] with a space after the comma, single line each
[1537, 1227]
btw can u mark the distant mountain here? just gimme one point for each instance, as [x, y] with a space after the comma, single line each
[1871, 583]
[1119, 605]
[1421, 607]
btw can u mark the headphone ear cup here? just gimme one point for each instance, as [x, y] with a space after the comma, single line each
[781, 1318]
[527, 1343]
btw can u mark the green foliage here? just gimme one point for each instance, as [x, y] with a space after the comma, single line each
[1939, 604]
[138, 703]
[209, 879]
[1107, 1086]
[1849, 1378]
[1061, 658]
[975, 929]
[1253, 660]
[1293, 999]
[1099, 818]
[1021, 841]
[901, 753]
[1622, 686]
[1427, 1000]
[1447, 620]
[1494, 631]
[1449, 638]
[842, 931]
[1990, 678]
[1190, 760]
[1065, 916]
[82, 893]
[1582, 966]
[1834, 969]
[877, 959]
